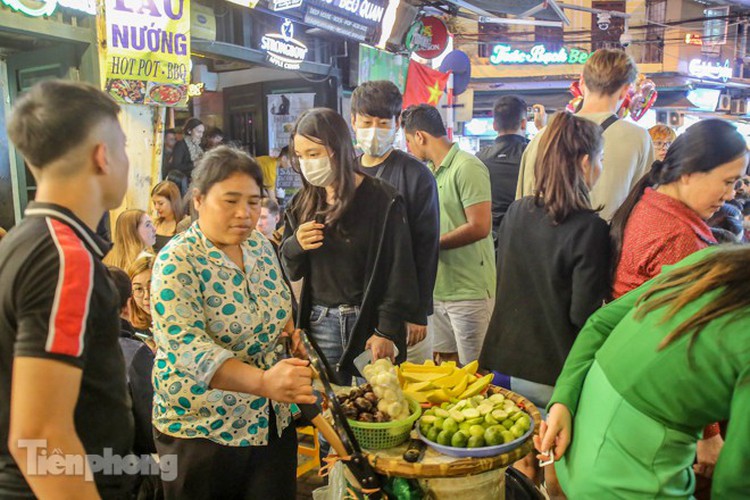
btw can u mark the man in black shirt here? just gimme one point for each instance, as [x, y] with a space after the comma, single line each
[62, 374]
[503, 159]
[376, 109]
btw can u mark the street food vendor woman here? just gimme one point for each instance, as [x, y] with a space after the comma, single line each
[219, 304]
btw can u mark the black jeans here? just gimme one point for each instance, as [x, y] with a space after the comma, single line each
[208, 470]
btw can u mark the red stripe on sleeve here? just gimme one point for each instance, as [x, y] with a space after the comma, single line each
[70, 310]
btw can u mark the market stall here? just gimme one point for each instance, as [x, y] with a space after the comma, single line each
[421, 431]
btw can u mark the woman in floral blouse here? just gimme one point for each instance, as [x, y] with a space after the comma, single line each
[219, 304]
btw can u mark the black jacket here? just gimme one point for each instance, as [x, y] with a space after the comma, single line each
[417, 185]
[181, 160]
[550, 279]
[503, 160]
[390, 279]
[139, 362]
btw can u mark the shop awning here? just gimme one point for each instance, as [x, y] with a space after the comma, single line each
[228, 51]
[673, 100]
[552, 101]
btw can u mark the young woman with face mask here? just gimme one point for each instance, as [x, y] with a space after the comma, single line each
[346, 234]
[376, 112]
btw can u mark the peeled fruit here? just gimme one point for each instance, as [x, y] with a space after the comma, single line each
[459, 440]
[477, 387]
[432, 434]
[472, 367]
[451, 425]
[444, 438]
[470, 413]
[474, 422]
[475, 442]
[476, 430]
[493, 435]
[437, 384]
[457, 415]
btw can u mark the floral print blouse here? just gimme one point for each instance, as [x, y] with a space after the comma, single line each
[207, 310]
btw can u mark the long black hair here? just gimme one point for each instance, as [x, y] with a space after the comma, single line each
[703, 147]
[325, 126]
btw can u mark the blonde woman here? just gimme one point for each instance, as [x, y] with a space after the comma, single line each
[139, 273]
[134, 237]
[170, 213]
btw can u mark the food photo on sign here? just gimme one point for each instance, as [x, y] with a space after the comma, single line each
[148, 51]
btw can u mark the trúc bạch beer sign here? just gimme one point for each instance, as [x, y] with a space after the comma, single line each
[148, 51]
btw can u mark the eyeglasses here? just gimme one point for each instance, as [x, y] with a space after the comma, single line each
[140, 291]
[662, 145]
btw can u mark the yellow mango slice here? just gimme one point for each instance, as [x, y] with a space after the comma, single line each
[461, 386]
[472, 367]
[476, 387]
[438, 396]
[421, 376]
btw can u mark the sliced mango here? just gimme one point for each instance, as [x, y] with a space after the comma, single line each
[449, 381]
[472, 367]
[408, 367]
[438, 396]
[460, 387]
[477, 387]
[421, 376]
[419, 386]
[419, 397]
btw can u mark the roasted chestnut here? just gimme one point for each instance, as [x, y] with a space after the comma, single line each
[381, 417]
[366, 417]
[363, 404]
[372, 398]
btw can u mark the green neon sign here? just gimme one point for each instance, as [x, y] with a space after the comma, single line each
[505, 54]
[47, 7]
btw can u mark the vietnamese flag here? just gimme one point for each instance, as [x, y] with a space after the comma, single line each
[424, 85]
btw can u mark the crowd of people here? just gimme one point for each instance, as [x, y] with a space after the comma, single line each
[582, 268]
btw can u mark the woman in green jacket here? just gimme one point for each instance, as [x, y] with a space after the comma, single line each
[646, 374]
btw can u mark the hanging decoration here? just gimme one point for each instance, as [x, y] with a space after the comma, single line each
[640, 98]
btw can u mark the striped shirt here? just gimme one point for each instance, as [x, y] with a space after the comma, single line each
[58, 302]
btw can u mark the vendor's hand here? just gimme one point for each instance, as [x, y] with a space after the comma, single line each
[381, 348]
[555, 433]
[289, 381]
[310, 235]
[708, 454]
[417, 334]
[295, 345]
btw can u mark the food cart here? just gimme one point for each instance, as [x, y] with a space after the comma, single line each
[396, 460]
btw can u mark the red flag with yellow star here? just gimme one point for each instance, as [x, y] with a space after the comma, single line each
[424, 85]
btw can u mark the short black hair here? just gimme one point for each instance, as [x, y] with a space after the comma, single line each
[122, 284]
[55, 116]
[423, 118]
[509, 112]
[284, 152]
[380, 99]
[221, 163]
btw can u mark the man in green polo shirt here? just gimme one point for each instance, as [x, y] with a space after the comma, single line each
[465, 287]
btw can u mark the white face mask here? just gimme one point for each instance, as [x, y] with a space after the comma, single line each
[317, 171]
[375, 141]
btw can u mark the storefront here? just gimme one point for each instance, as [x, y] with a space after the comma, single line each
[258, 80]
[38, 43]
